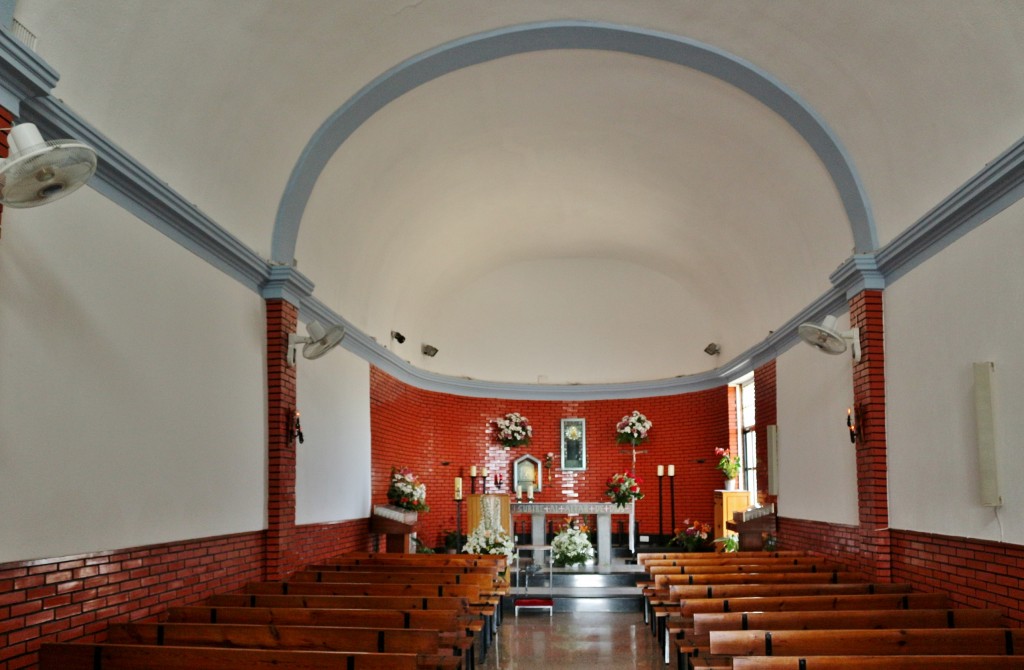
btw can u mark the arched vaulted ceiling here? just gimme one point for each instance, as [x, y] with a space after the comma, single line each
[570, 192]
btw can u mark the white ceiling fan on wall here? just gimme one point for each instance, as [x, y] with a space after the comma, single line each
[826, 337]
[37, 171]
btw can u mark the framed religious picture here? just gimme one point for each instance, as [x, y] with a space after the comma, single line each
[574, 444]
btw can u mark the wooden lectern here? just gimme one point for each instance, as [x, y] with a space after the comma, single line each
[397, 524]
[751, 525]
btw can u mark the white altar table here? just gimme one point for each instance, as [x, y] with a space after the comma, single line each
[604, 511]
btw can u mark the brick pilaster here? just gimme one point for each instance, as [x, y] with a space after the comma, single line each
[869, 399]
[282, 319]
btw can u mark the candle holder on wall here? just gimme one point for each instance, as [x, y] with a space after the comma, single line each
[852, 424]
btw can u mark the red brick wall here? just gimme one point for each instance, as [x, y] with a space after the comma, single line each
[75, 597]
[423, 430]
[282, 319]
[6, 121]
[976, 573]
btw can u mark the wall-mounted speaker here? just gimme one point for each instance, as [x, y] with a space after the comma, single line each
[773, 459]
[985, 428]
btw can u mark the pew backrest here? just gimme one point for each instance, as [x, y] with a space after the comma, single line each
[863, 619]
[822, 602]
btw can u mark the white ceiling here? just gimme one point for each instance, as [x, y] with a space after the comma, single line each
[561, 216]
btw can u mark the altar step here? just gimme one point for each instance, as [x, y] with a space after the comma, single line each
[581, 591]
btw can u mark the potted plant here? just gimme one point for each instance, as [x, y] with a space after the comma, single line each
[453, 540]
[729, 465]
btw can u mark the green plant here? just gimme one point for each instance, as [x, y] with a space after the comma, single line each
[729, 465]
[454, 539]
[729, 543]
[421, 548]
[771, 543]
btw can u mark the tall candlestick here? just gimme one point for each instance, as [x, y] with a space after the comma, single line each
[485, 471]
[458, 488]
[671, 470]
[519, 491]
[661, 470]
[472, 471]
[529, 492]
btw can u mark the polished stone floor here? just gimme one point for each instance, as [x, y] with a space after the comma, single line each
[573, 640]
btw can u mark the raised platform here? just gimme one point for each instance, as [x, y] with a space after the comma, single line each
[588, 588]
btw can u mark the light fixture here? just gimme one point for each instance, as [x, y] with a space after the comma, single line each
[712, 349]
[429, 350]
[397, 336]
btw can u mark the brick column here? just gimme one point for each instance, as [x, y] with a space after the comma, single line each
[282, 319]
[869, 399]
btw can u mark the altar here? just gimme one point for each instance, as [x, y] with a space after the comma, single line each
[604, 511]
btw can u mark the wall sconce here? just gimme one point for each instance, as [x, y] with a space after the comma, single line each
[851, 424]
[294, 427]
[429, 350]
[397, 336]
[712, 349]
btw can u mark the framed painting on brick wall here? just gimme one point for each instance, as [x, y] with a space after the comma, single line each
[574, 444]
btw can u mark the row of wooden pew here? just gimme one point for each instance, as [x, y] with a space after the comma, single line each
[792, 610]
[356, 611]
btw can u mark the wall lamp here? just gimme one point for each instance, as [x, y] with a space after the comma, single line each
[712, 349]
[429, 350]
[397, 336]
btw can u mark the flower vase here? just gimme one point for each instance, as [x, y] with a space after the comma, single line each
[730, 484]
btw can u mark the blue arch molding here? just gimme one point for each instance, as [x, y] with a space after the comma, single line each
[488, 46]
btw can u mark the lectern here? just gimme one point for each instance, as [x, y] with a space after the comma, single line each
[397, 524]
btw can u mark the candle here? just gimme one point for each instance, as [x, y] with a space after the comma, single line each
[529, 491]
[485, 471]
[458, 488]
[671, 471]
[661, 470]
[472, 471]
[519, 491]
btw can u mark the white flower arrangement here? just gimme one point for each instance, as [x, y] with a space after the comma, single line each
[513, 429]
[633, 428]
[405, 492]
[571, 546]
[485, 540]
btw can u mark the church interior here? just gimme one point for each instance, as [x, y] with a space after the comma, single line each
[620, 268]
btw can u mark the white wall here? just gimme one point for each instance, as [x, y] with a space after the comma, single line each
[817, 462]
[965, 305]
[132, 405]
[332, 479]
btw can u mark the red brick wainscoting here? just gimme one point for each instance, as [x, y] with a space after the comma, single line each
[976, 573]
[75, 597]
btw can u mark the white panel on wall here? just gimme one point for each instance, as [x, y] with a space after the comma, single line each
[332, 481]
[817, 463]
[132, 405]
[964, 305]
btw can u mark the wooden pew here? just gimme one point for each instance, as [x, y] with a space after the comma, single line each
[407, 568]
[879, 663]
[949, 641]
[833, 577]
[696, 640]
[643, 557]
[724, 568]
[84, 656]
[483, 580]
[426, 644]
[460, 627]
[680, 594]
[470, 591]
[406, 602]
[704, 623]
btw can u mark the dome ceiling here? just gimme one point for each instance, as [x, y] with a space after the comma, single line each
[555, 216]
